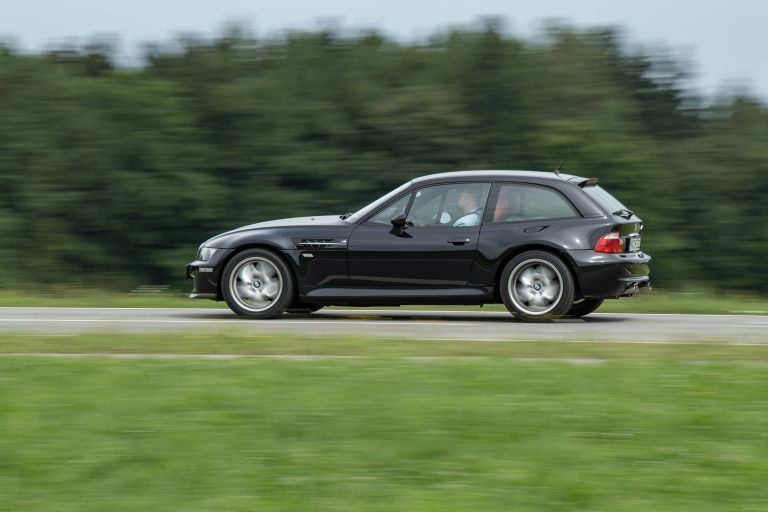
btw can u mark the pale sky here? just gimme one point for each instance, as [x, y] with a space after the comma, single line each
[725, 41]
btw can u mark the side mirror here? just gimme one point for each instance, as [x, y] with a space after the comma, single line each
[398, 221]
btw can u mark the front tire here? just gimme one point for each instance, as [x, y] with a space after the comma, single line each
[537, 285]
[258, 284]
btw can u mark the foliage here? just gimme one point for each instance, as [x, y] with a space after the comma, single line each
[112, 174]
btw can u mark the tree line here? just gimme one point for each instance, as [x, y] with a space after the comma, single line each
[111, 177]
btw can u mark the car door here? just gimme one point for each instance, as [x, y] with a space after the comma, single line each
[436, 247]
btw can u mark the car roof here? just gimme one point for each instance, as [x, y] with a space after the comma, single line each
[497, 174]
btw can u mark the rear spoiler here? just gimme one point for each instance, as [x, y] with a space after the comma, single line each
[585, 182]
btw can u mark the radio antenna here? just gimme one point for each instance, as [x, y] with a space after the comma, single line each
[557, 169]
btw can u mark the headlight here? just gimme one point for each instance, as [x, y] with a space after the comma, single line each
[206, 253]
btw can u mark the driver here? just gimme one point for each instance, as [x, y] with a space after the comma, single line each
[469, 203]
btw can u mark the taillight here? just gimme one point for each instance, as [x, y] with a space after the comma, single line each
[612, 242]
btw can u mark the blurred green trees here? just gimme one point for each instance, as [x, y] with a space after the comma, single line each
[112, 177]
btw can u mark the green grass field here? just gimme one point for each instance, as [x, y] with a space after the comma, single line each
[382, 434]
[379, 424]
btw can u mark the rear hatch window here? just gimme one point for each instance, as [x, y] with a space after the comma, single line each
[604, 198]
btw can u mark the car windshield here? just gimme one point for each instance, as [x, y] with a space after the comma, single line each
[604, 199]
[382, 201]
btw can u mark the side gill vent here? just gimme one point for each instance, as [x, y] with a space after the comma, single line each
[320, 243]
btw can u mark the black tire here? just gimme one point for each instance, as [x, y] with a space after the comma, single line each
[584, 307]
[543, 286]
[243, 295]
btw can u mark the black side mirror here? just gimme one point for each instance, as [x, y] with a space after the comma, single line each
[398, 221]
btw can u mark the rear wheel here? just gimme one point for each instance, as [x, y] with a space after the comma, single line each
[257, 283]
[584, 307]
[537, 285]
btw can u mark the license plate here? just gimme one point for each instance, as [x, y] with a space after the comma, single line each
[634, 244]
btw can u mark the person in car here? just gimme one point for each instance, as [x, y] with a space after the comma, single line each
[468, 203]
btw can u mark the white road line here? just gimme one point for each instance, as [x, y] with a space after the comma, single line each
[503, 313]
[712, 342]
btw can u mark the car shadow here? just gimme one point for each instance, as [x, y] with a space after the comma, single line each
[399, 316]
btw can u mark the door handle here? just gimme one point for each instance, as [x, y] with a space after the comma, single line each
[459, 241]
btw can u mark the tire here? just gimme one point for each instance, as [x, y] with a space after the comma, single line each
[584, 307]
[537, 285]
[257, 283]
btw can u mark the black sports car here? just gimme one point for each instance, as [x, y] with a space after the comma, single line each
[544, 244]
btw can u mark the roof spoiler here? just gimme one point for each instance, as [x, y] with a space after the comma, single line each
[588, 182]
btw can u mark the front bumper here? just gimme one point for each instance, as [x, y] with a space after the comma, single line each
[205, 275]
[605, 276]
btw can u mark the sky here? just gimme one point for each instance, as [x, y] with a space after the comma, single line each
[724, 42]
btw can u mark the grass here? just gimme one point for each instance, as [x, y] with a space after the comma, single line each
[381, 434]
[97, 298]
[657, 301]
[412, 425]
[236, 342]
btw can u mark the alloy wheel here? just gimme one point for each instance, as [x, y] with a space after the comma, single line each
[256, 283]
[535, 286]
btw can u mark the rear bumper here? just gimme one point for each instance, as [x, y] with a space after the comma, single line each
[604, 276]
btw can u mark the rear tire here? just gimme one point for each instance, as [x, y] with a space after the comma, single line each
[258, 284]
[537, 285]
[584, 307]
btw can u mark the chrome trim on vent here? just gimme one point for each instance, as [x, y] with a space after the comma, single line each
[320, 243]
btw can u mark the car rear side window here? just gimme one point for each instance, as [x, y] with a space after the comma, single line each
[517, 202]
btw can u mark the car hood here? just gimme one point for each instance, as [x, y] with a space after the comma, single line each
[293, 222]
[317, 220]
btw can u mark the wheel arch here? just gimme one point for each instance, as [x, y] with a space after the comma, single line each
[516, 251]
[275, 249]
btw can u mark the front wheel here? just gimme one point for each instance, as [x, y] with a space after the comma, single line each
[537, 285]
[584, 307]
[257, 283]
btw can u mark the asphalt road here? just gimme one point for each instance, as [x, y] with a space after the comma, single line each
[461, 325]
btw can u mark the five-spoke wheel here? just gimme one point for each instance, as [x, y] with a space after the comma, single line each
[257, 283]
[537, 284]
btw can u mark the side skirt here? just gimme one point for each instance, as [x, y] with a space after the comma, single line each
[397, 296]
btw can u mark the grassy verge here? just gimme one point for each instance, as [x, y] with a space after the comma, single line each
[245, 343]
[99, 299]
[381, 434]
[652, 302]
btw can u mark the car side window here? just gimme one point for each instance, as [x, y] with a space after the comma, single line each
[455, 204]
[385, 215]
[526, 202]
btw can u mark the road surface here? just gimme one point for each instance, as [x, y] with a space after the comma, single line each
[454, 325]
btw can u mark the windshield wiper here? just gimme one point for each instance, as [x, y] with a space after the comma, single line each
[624, 213]
[345, 216]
